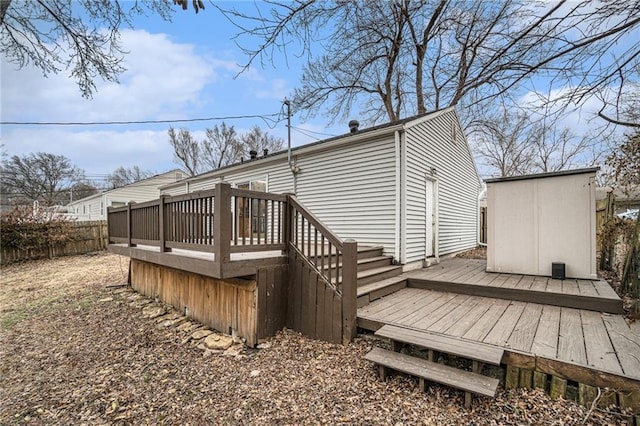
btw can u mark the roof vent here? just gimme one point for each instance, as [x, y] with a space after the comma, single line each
[265, 152]
[353, 126]
[253, 154]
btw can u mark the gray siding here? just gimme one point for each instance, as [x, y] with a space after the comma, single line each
[430, 144]
[350, 188]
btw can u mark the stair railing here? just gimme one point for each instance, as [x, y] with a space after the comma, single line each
[334, 260]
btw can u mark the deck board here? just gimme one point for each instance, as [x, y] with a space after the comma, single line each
[626, 343]
[545, 342]
[499, 334]
[463, 325]
[571, 339]
[483, 326]
[426, 309]
[522, 336]
[440, 312]
[600, 353]
[454, 316]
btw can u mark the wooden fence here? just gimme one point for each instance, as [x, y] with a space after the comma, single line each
[87, 237]
[316, 295]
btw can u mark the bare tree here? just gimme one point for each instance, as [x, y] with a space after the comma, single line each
[42, 177]
[503, 143]
[82, 36]
[124, 176]
[186, 150]
[393, 59]
[559, 149]
[221, 147]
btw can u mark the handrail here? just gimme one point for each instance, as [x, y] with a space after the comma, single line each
[333, 238]
[338, 270]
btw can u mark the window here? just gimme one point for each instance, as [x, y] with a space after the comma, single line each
[251, 218]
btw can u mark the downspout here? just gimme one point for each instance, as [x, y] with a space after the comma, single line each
[398, 188]
[293, 169]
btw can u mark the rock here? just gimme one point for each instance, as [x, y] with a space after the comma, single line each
[184, 326]
[197, 335]
[234, 350]
[254, 373]
[208, 353]
[106, 299]
[264, 345]
[171, 322]
[169, 316]
[122, 290]
[218, 341]
[153, 311]
[201, 346]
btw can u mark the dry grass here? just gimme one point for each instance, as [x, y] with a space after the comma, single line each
[81, 354]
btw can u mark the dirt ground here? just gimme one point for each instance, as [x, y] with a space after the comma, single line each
[73, 351]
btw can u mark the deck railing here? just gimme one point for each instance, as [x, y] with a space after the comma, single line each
[227, 220]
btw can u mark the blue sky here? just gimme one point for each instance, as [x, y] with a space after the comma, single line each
[175, 70]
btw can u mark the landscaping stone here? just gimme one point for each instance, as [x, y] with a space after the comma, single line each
[218, 341]
[234, 350]
[153, 311]
[200, 334]
[106, 299]
[171, 322]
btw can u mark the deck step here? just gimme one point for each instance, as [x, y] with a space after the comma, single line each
[366, 263]
[377, 274]
[434, 372]
[370, 292]
[463, 348]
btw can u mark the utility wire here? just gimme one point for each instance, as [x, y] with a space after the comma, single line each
[266, 118]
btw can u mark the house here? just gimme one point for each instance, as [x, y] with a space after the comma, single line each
[537, 220]
[410, 186]
[95, 206]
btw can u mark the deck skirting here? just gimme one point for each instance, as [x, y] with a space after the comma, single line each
[249, 307]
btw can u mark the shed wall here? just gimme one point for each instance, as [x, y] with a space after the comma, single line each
[534, 222]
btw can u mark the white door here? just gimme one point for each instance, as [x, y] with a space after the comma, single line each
[430, 218]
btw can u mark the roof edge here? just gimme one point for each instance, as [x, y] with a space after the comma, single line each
[543, 175]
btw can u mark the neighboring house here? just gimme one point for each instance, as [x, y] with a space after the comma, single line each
[95, 206]
[626, 198]
[411, 186]
[537, 220]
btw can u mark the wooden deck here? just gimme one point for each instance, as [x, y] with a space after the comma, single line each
[533, 335]
[468, 276]
[558, 328]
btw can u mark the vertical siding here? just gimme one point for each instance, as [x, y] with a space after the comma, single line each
[430, 145]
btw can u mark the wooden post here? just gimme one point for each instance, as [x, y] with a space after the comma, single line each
[129, 225]
[512, 377]
[161, 220]
[222, 225]
[349, 290]
[287, 222]
[108, 230]
[558, 387]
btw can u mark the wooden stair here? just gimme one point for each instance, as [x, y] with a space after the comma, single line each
[472, 382]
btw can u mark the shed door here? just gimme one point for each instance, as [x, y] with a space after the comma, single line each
[430, 217]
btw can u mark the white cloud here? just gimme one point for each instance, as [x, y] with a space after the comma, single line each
[163, 78]
[97, 152]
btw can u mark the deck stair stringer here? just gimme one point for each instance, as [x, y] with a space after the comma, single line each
[472, 382]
